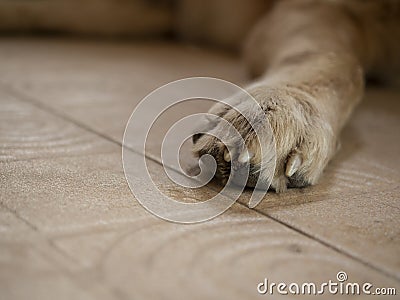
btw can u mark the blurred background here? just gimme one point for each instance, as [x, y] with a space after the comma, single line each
[223, 23]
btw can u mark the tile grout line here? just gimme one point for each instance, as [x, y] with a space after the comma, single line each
[27, 99]
[33, 227]
[60, 266]
[23, 97]
[333, 247]
[36, 230]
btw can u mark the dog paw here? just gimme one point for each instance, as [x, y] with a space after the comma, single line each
[290, 147]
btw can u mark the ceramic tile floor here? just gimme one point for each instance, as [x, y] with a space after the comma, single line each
[70, 227]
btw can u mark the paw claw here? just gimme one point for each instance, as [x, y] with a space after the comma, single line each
[245, 157]
[227, 156]
[293, 165]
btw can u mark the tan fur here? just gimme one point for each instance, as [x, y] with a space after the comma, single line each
[311, 57]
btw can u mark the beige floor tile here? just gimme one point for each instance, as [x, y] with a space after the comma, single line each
[99, 84]
[12, 228]
[28, 132]
[222, 259]
[81, 193]
[25, 274]
[28, 268]
[370, 140]
[83, 206]
[365, 226]
[67, 194]
[226, 257]
[33, 267]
